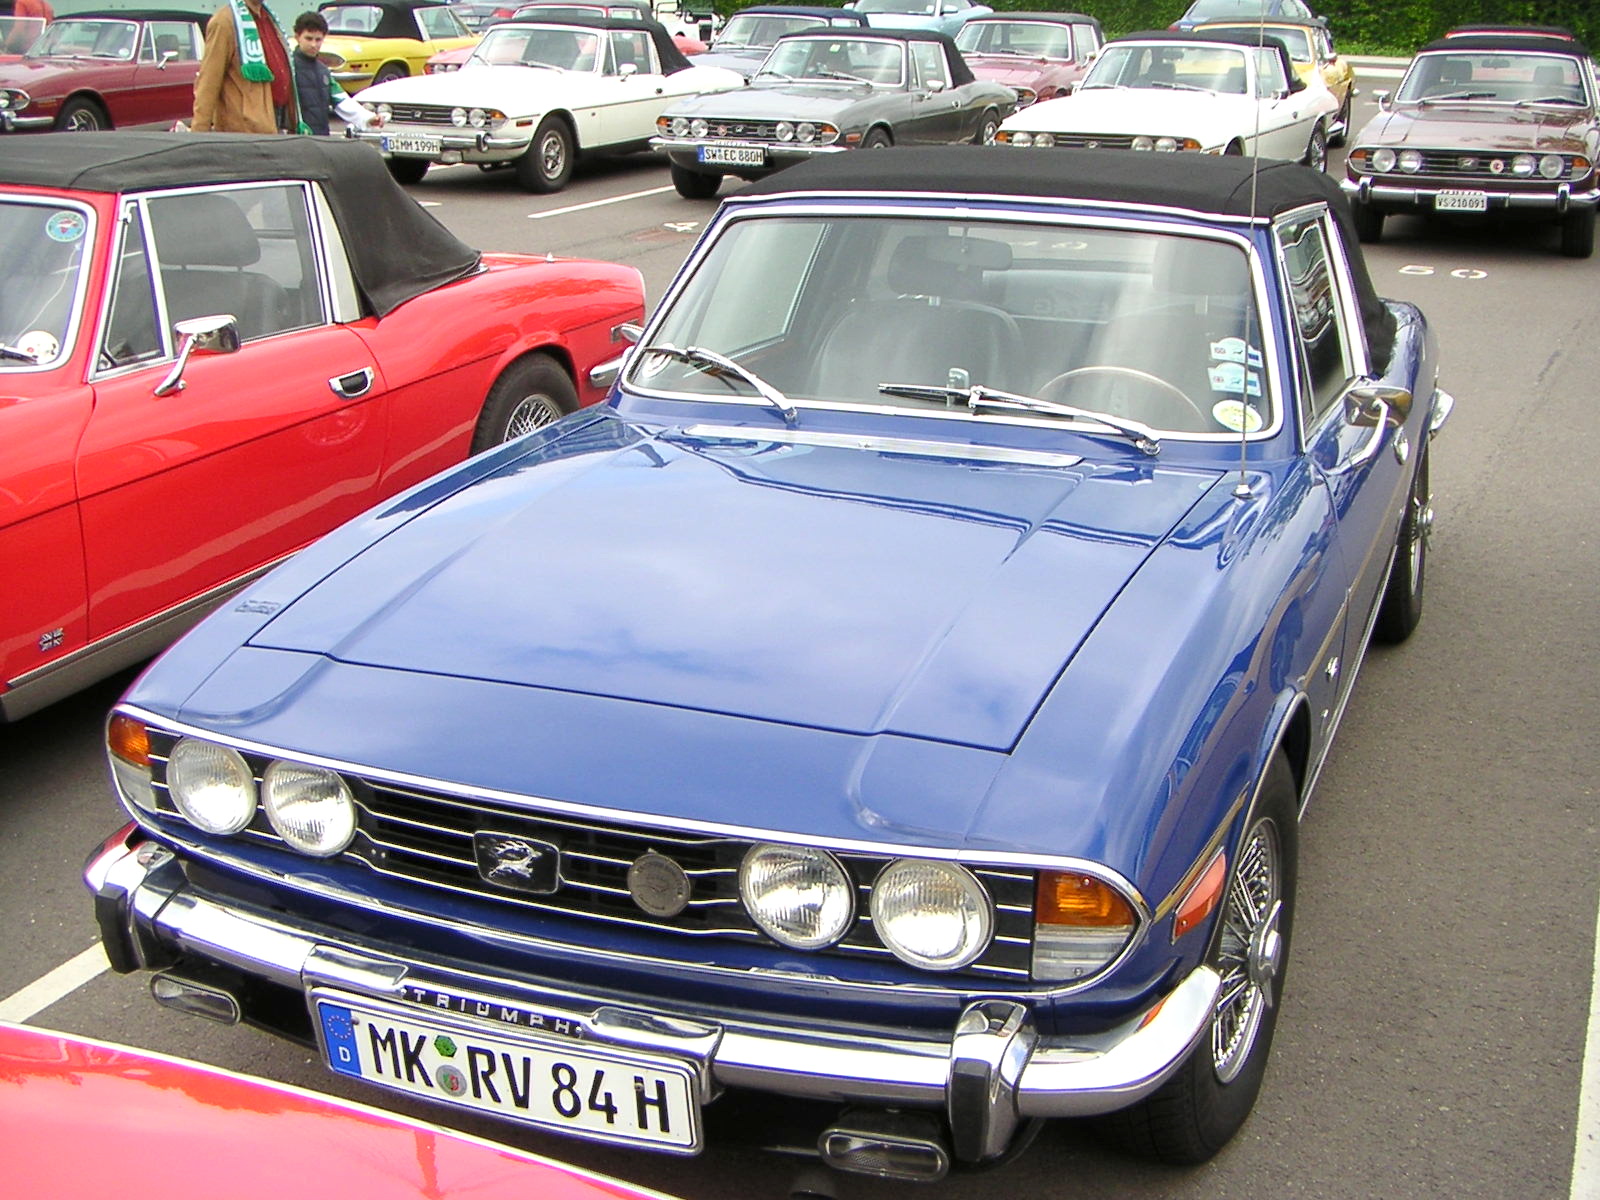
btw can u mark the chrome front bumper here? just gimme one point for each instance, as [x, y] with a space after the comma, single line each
[455, 145]
[1391, 197]
[776, 155]
[993, 1071]
[11, 123]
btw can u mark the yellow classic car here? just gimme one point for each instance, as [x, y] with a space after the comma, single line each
[1311, 51]
[375, 41]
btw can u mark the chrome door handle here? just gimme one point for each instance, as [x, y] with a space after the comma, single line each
[352, 384]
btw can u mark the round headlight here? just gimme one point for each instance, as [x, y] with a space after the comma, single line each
[799, 896]
[458, 117]
[1383, 159]
[1551, 166]
[785, 131]
[680, 127]
[1522, 164]
[932, 914]
[384, 110]
[1144, 143]
[211, 785]
[1166, 144]
[1411, 160]
[698, 127]
[476, 118]
[1021, 138]
[806, 131]
[1044, 139]
[312, 809]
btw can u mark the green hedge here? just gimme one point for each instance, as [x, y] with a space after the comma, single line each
[1359, 26]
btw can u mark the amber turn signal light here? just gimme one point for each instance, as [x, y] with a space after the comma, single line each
[128, 739]
[1068, 898]
[1202, 898]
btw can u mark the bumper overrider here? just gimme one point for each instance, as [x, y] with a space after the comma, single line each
[454, 145]
[989, 1075]
[1424, 196]
[730, 157]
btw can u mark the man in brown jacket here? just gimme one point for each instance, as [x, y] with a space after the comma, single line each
[245, 84]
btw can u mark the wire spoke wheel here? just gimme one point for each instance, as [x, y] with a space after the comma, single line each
[1250, 951]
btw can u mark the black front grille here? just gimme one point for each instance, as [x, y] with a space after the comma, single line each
[1093, 141]
[1478, 166]
[419, 114]
[425, 837]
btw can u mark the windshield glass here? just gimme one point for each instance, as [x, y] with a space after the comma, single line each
[43, 247]
[761, 29]
[1032, 38]
[1209, 68]
[1145, 326]
[1297, 40]
[1493, 77]
[837, 58]
[540, 46]
[114, 40]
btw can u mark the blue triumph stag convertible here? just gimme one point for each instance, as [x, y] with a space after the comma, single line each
[902, 694]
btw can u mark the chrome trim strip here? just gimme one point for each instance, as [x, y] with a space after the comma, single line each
[886, 445]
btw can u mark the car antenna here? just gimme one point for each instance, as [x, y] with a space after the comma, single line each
[1241, 489]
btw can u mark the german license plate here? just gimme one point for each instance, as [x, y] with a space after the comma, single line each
[606, 1093]
[1461, 202]
[734, 156]
[412, 143]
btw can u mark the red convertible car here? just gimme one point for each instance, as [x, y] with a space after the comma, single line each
[60, 1094]
[211, 354]
[102, 70]
[1040, 55]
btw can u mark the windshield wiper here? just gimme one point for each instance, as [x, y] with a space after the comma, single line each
[775, 75]
[1548, 100]
[977, 396]
[713, 363]
[1176, 87]
[16, 355]
[825, 73]
[1457, 96]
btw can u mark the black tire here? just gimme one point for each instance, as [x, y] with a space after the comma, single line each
[407, 170]
[987, 128]
[1316, 156]
[1235, 149]
[1401, 606]
[1577, 233]
[390, 72]
[1208, 1099]
[1369, 222]
[547, 165]
[532, 393]
[877, 139]
[1342, 121]
[692, 185]
[81, 115]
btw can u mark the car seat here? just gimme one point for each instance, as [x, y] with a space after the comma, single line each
[936, 330]
[1232, 82]
[167, 43]
[203, 242]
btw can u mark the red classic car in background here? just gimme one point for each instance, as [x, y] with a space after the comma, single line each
[61, 1095]
[1041, 55]
[210, 354]
[102, 70]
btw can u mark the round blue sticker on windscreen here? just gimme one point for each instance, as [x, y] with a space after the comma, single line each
[65, 226]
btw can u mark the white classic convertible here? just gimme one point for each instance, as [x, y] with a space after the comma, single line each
[1186, 91]
[537, 94]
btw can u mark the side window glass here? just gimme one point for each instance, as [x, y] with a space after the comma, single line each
[1319, 324]
[931, 67]
[1270, 80]
[174, 37]
[246, 251]
[628, 46]
[132, 334]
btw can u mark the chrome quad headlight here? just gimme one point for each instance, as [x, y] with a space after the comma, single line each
[932, 914]
[799, 896]
[311, 808]
[211, 785]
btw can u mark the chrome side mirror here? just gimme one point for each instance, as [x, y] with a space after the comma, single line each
[1382, 99]
[217, 334]
[606, 373]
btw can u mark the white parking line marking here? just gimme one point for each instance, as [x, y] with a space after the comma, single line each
[1586, 1154]
[556, 212]
[47, 989]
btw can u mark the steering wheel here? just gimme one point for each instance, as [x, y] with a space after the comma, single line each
[1152, 381]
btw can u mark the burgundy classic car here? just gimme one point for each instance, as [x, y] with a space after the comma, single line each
[102, 70]
[1039, 54]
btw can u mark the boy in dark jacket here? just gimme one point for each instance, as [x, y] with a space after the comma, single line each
[314, 85]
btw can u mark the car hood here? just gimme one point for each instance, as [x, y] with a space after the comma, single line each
[827, 587]
[1140, 110]
[1501, 128]
[1009, 69]
[34, 75]
[787, 101]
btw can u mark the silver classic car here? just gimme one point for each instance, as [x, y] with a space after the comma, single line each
[823, 92]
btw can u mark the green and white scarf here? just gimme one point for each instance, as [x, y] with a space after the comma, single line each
[252, 58]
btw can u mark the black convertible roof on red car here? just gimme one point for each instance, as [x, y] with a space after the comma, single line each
[1223, 185]
[396, 249]
[1506, 41]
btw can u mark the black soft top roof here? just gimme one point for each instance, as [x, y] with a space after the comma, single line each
[136, 14]
[1512, 29]
[960, 73]
[396, 249]
[1054, 18]
[846, 16]
[1504, 42]
[672, 59]
[395, 18]
[1221, 185]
